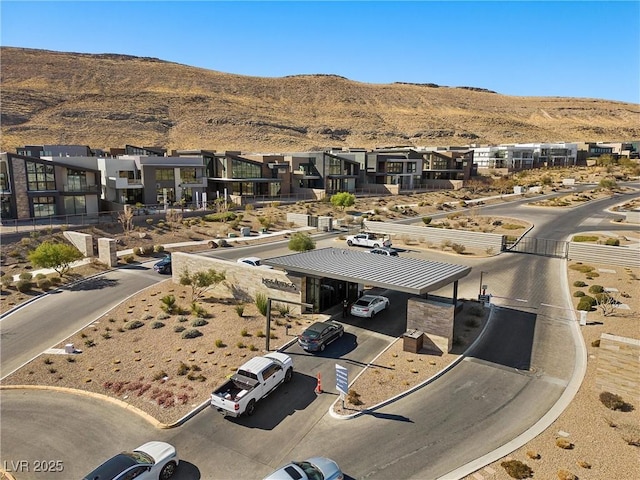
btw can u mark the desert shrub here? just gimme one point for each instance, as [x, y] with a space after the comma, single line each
[630, 434]
[149, 221]
[182, 319]
[26, 276]
[219, 343]
[198, 310]
[244, 332]
[283, 309]
[564, 443]
[220, 217]
[156, 325]
[163, 316]
[533, 455]
[584, 238]
[253, 348]
[179, 328]
[55, 280]
[353, 398]
[426, 220]
[240, 345]
[614, 242]
[137, 251]
[106, 335]
[39, 276]
[596, 289]
[193, 333]
[586, 303]
[582, 268]
[158, 248]
[128, 258]
[579, 283]
[7, 281]
[566, 475]
[273, 336]
[147, 250]
[133, 324]
[24, 286]
[578, 293]
[160, 375]
[199, 322]
[458, 248]
[183, 369]
[261, 303]
[260, 334]
[239, 310]
[612, 401]
[89, 343]
[44, 283]
[517, 469]
[596, 343]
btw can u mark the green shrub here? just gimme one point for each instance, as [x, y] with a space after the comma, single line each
[517, 469]
[596, 289]
[199, 322]
[193, 333]
[244, 333]
[133, 324]
[586, 303]
[160, 375]
[219, 343]
[253, 348]
[128, 258]
[239, 310]
[220, 217]
[158, 248]
[613, 242]
[182, 319]
[44, 283]
[260, 334]
[183, 369]
[40, 275]
[585, 238]
[582, 268]
[179, 328]
[240, 345]
[155, 325]
[578, 294]
[24, 286]
[137, 251]
[579, 283]
[426, 220]
[147, 250]
[26, 276]
[56, 280]
[149, 221]
[261, 303]
[7, 281]
[595, 343]
[198, 310]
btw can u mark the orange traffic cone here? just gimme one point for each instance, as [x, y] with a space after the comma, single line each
[319, 385]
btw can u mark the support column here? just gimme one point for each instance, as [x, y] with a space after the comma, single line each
[455, 292]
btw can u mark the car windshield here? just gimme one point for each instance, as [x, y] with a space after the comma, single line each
[310, 471]
[140, 457]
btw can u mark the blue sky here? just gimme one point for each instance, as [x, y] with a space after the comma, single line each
[573, 49]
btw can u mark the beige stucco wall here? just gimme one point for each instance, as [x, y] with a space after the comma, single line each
[108, 251]
[244, 282]
[82, 241]
[433, 318]
[618, 369]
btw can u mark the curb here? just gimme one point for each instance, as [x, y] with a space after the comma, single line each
[412, 389]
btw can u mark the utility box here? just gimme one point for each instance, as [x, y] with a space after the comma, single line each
[412, 341]
[245, 231]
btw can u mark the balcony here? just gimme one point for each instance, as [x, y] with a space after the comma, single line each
[124, 183]
[80, 188]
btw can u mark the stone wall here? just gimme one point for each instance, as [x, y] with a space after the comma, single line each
[433, 318]
[82, 241]
[108, 252]
[243, 282]
[618, 369]
[299, 219]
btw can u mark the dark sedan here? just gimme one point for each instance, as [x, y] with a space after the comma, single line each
[320, 334]
[164, 265]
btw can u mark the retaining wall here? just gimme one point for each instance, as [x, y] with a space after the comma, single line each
[618, 369]
[625, 256]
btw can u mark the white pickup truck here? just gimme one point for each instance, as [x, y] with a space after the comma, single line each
[370, 240]
[252, 382]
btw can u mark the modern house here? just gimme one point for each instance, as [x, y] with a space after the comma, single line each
[516, 157]
[33, 187]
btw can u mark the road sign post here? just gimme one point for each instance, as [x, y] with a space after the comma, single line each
[342, 381]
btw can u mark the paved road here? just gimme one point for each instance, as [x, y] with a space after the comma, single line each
[482, 403]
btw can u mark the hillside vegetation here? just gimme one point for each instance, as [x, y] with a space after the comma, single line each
[110, 100]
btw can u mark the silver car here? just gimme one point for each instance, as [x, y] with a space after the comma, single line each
[368, 305]
[316, 468]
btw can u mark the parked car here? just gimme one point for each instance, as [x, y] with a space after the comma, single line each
[316, 468]
[253, 261]
[164, 265]
[384, 251]
[320, 334]
[151, 461]
[368, 305]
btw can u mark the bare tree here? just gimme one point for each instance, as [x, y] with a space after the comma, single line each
[125, 218]
[608, 303]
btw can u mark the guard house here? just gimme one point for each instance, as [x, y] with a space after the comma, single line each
[329, 275]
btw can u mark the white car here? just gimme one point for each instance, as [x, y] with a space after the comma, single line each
[253, 261]
[368, 305]
[316, 468]
[388, 251]
[151, 461]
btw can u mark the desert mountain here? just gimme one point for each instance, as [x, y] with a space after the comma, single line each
[110, 100]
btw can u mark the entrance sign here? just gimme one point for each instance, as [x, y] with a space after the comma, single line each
[342, 379]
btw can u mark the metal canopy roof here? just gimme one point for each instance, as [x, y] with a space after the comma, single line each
[410, 275]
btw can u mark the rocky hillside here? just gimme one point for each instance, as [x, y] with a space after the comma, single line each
[111, 100]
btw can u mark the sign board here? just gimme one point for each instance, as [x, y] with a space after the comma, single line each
[484, 298]
[342, 379]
